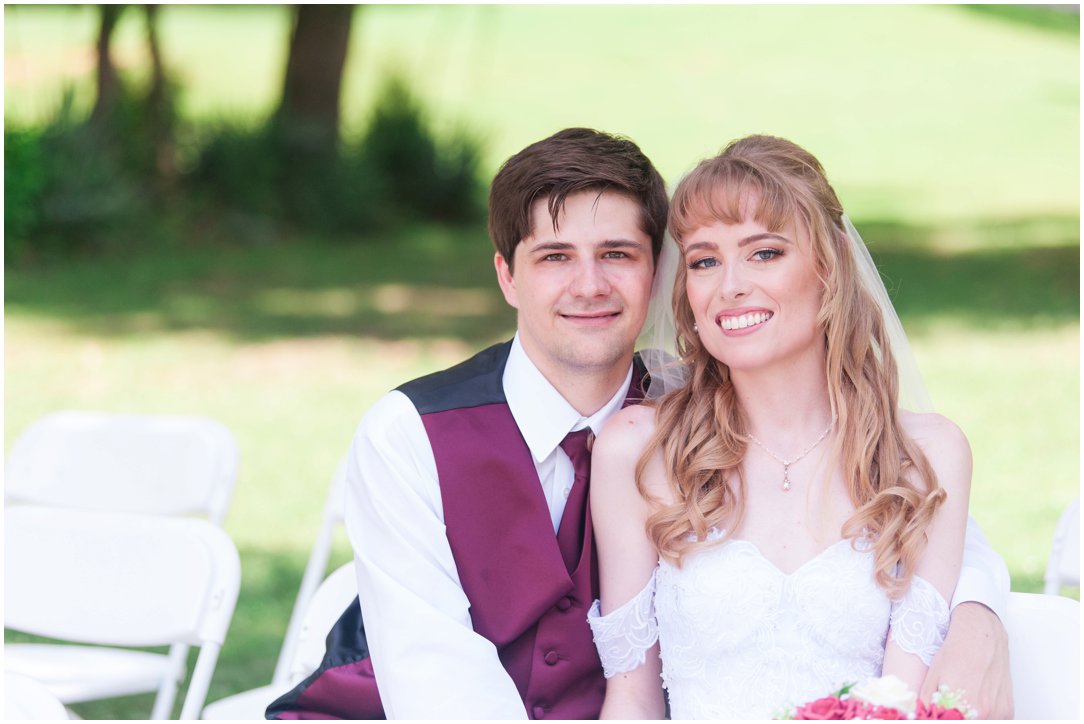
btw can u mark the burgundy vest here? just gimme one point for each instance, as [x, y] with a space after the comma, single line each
[523, 597]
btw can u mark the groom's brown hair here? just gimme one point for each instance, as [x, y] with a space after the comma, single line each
[569, 161]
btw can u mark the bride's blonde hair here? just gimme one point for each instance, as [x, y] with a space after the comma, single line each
[701, 427]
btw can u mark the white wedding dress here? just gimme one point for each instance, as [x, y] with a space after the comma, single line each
[741, 639]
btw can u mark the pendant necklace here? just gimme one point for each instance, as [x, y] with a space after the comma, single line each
[787, 463]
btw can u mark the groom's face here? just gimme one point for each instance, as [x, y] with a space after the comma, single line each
[581, 290]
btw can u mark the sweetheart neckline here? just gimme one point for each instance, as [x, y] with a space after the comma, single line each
[760, 554]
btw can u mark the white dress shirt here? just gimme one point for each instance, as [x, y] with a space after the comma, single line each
[984, 577]
[428, 661]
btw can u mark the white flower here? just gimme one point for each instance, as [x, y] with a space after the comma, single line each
[953, 699]
[887, 691]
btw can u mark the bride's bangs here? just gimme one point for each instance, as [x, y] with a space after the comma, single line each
[731, 193]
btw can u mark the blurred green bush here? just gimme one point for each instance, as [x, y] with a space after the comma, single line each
[400, 169]
[84, 184]
[24, 182]
[420, 173]
[75, 184]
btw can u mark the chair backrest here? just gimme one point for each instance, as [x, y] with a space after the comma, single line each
[315, 569]
[324, 609]
[117, 579]
[123, 579]
[1063, 568]
[161, 464]
[1044, 655]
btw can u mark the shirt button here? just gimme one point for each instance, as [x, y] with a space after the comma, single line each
[567, 492]
[538, 712]
[551, 658]
[564, 604]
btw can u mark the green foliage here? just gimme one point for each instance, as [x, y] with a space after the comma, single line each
[420, 172]
[80, 184]
[238, 165]
[399, 171]
[254, 171]
[71, 186]
[24, 182]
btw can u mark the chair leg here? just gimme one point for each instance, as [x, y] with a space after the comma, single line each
[310, 581]
[167, 692]
[1051, 580]
[200, 681]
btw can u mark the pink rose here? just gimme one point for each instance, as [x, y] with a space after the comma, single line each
[885, 713]
[855, 709]
[828, 707]
[934, 711]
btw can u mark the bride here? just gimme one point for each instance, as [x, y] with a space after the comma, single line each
[775, 527]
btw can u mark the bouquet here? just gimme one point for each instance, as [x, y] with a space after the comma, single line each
[886, 697]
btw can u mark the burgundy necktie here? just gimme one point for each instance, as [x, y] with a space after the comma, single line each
[577, 445]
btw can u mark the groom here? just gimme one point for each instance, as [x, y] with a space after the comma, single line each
[467, 489]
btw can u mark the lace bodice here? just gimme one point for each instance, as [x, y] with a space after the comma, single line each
[741, 639]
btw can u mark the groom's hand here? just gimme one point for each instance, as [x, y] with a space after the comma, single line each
[975, 658]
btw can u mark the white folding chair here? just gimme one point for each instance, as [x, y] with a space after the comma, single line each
[323, 609]
[113, 462]
[160, 464]
[1044, 655]
[251, 704]
[117, 580]
[1063, 569]
[314, 570]
[26, 699]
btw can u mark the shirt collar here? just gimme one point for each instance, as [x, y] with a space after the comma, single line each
[543, 415]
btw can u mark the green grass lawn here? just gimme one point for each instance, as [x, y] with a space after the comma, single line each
[951, 134]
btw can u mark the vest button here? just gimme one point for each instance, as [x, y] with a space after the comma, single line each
[538, 712]
[551, 658]
[564, 604]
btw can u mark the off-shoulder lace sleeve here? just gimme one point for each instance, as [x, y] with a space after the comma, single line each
[920, 620]
[624, 635]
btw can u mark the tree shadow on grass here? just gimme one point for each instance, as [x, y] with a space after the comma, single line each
[1063, 19]
[439, 283]
[416, 283]
[988, 275]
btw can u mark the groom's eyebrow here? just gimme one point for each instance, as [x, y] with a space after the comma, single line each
[621, 244]
[552, 246]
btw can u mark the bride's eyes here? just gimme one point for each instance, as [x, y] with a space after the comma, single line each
[706, 262]
[766, 254]
[760, 255]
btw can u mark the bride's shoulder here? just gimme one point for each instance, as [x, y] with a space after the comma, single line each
[616, 455]
[628, 431]
[942, 441]
[931, 429]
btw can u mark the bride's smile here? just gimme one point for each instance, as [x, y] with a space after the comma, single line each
[742, 321]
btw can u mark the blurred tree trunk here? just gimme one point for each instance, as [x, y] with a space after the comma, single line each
[309, 112]
[108, 79]
[159, 103]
